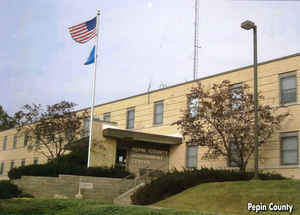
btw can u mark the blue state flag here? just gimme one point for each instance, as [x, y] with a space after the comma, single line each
[91, 58]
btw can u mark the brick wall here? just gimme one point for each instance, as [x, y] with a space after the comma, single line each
[66, 186]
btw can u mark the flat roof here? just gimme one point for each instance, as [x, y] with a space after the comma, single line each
[207, 77]
[187, 82]
[141, 136]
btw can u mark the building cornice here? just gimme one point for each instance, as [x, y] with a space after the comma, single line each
[194, 81]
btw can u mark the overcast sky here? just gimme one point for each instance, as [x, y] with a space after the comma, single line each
[140, 41]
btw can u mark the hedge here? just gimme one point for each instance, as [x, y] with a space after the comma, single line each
[175, 182]
[54, 169]
[73, 163]
[8, 190]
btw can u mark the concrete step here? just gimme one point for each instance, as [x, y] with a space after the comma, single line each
[124, 198]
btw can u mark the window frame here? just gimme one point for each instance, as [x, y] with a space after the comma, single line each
[4, 143]
[127, 117]
[69, 134]
[286, 135]
[106, 115]
[15, 140]
[38, 140]
[2, 168]
[85, 130]
[189, 100]
[23, 162]
[26, 138]
[187, 156]
[229, 160]
[232, 88]
[35, 160]
[287, 75]
[12, 164]
[161, 102]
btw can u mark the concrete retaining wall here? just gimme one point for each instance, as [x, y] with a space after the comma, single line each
[67, 186]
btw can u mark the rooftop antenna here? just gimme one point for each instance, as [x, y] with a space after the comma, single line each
[162, 85]
[148, 90]
[196, 45]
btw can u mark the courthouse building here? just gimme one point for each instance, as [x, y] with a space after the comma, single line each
[138, 131]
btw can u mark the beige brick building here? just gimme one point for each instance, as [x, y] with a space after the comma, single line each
[142, 135]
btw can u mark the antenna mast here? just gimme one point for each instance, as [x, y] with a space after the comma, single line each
[196, 45]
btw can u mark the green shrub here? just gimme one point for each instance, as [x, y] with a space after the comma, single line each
[176, 181]
[53, 169]
[8, 190]
[73, 163]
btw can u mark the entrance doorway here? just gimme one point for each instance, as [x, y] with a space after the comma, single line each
[121, 158]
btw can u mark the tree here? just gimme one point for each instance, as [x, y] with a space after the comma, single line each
[49, 130]
[222, 119]
[6, 121]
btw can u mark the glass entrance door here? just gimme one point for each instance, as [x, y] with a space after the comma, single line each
[121, 158]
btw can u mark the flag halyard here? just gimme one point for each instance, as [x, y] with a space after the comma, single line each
[82, 33]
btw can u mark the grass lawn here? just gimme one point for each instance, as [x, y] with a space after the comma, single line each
[232, 197]
[78, 207]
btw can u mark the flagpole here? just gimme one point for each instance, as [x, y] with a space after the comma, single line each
[93, 88]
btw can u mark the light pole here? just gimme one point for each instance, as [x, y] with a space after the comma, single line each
[251, 25]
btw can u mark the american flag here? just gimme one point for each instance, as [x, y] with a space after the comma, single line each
[85, 31]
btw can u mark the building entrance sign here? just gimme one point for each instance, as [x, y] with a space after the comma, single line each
[143, 157]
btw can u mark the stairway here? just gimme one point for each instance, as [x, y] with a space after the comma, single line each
[145, 176]
[124, 198]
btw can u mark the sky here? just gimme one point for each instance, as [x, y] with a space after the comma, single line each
[140, 41]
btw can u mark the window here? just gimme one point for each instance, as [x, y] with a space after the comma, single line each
[15, 141]
[69, 133]
[106, 117]
[37, 140]
[12, 164]
[26, 137]
[23, 162]
[191, 156]
[86, 126]
[234, 158]
[130, 118]
[288, 88]
[158, 112]
[4, 143]
[1, 168]
[289, 148]
[237, 94]
[35, 160]
[193, 106]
